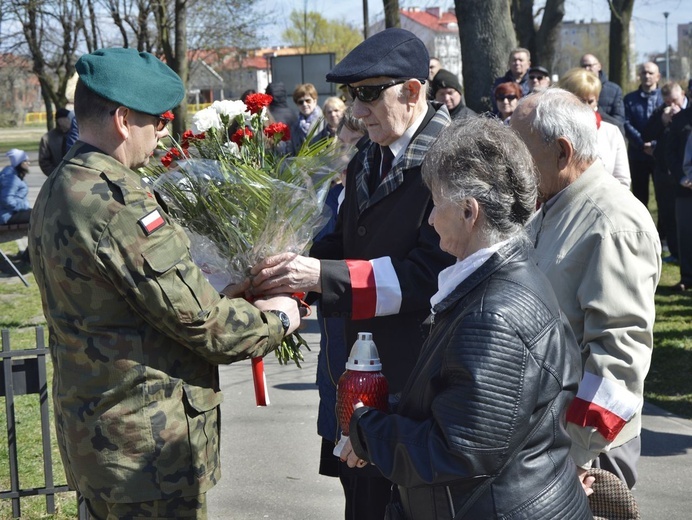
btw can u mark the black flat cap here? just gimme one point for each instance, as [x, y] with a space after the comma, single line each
[394, 52]
[445, 79]
[540, 70]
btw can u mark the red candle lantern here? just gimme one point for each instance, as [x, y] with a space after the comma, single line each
[362, 382]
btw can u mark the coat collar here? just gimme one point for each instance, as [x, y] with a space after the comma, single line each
[515, 249]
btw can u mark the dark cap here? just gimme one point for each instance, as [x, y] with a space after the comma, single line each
[445, 79]
[394, 52]
[540, 70]
[62, 112]
[137, 80]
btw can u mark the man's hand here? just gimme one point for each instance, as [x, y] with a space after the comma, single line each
[649, 148]
[284, 303]
[586, 481]
[236, 290]
[286, 273]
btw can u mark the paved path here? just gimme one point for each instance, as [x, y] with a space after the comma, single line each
[270, 455]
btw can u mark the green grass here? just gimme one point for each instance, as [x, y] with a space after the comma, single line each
[668, 385]
[25, 138]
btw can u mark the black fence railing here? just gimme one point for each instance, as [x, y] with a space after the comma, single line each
[23, 372]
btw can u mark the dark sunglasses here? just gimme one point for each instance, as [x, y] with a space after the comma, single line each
[160, 124]
[306, 101]
[370, 93]
[539, 78]
[502, 97]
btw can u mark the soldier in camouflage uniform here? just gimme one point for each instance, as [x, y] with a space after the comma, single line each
[135, 331]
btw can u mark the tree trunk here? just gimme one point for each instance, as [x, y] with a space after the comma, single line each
[620, 18]
[539, 41]
[548, 33]
[487, 37]
[174, 45]
[181, 65]
[525, 29]
[391, 13]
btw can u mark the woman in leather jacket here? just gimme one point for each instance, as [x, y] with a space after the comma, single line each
[479, 431]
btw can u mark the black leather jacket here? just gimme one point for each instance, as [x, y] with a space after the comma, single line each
[492, 384]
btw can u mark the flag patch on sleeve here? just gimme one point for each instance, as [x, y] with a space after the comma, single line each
[151, 222]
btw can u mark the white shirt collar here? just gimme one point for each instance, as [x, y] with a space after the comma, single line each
[399, 146]
[450, 278]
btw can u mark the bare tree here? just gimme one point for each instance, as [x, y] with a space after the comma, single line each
[620, 18]
[541, 40]
[49, 32]
[391, 13]
[487, 37]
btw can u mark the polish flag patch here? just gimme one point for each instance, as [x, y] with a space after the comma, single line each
[602, 404]
[151, 222]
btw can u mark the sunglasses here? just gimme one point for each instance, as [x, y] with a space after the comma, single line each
[509, 97]
[160, 124]
[370, 93]
[306, 101]
[539, 78]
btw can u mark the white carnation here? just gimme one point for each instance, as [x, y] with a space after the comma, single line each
[230, 108]
[205, 119]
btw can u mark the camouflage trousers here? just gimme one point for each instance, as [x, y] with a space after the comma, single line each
[193, 508]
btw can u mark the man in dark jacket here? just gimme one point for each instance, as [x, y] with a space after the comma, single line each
[278, 108]
[680, 130]
[639, 105]
[447, 89]
[658, 129]
[53, 145]
[610, 100]
[379, 268]
[519, 64]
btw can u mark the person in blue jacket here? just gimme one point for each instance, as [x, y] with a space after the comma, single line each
[14, 192]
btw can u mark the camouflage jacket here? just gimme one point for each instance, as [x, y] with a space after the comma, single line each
[135, 333]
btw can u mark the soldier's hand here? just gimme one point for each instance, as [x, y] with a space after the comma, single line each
[286, 273]
[284, 303]
[236, 290]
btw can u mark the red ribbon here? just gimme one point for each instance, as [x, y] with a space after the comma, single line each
[259, 378]
[260, 381]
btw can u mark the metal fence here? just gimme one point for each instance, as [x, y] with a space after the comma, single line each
[23, 372]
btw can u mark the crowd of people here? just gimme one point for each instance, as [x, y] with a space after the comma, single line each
[505, 263]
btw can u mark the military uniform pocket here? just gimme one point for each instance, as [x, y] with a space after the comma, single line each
[201, 407]
[176, 278]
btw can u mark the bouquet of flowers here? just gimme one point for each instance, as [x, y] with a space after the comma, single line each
[240, 197]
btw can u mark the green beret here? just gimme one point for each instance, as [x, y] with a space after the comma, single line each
[136, 80]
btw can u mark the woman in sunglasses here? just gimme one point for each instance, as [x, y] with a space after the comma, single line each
[507, 96]
[309, 115]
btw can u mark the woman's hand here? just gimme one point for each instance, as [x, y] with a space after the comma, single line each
[350, 458]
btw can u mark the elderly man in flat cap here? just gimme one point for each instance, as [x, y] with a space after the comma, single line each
[136, 333]
[379, 268]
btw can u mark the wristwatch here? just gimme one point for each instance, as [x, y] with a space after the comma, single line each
[285, 320]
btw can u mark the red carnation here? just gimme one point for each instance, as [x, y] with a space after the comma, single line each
[256, 102]
[167, 159]
[168, 115]
[278, 129]
[240, 135]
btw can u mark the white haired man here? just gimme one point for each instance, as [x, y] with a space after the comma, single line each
[600, 249]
